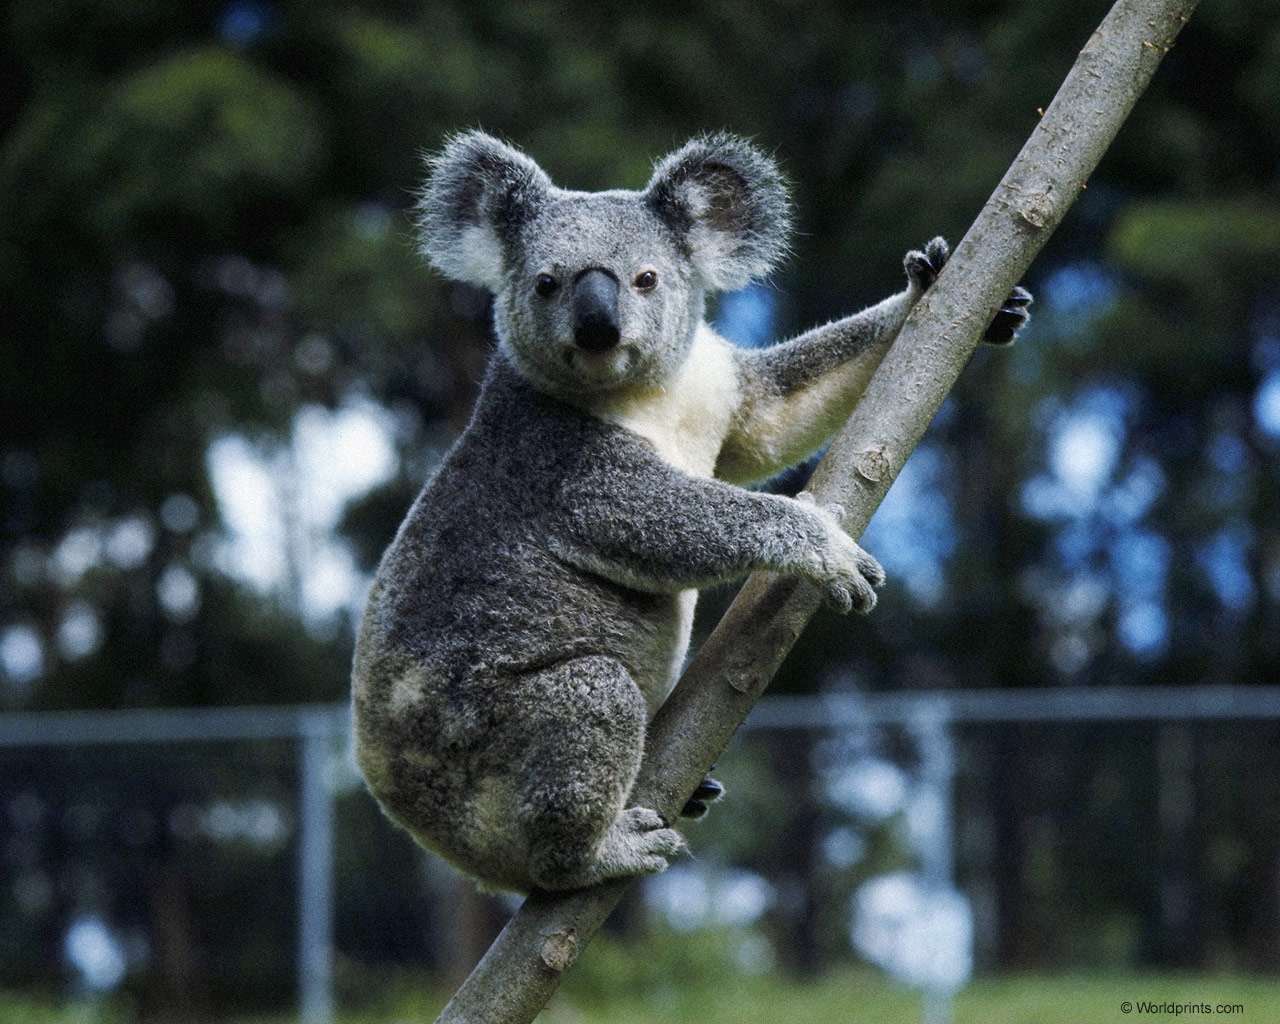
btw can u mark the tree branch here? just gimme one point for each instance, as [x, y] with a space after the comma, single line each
[522, 969]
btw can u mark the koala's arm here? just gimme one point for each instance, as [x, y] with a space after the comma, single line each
[641, 523]
[797, 394]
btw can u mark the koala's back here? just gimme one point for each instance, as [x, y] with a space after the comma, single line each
[469, 601]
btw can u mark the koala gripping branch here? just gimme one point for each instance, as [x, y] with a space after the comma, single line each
[522, 969]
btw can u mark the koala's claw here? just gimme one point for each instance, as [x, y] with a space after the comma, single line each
[694, 809]
[924, 265]
[1010, 318]
[709, 790]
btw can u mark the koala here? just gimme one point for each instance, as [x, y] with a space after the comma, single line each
[535, 607]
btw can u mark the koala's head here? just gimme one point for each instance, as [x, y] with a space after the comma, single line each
[598, 290]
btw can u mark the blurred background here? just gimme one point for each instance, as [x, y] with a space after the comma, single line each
[224, 373]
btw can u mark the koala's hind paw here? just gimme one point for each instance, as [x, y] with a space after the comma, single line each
[640, 819]
[708, 792]
[924, 265]
[648, 841]
[1010, 318]
[637, 842]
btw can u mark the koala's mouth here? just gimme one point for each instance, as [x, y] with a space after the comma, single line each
[601, 369]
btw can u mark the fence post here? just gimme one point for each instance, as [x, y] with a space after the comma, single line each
[1176, 809]
[315, 870]
[931, 728]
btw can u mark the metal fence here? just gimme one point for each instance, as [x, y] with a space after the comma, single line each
[930, 719]
[315, 729]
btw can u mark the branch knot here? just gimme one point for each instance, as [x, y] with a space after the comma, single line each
[872, 464]
[560, 949]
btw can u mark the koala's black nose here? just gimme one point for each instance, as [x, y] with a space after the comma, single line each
[595, 311]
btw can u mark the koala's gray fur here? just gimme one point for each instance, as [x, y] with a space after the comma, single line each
[534, 609]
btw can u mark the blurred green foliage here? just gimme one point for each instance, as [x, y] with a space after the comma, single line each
[1195, 245]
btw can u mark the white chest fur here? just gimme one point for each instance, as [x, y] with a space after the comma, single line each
[661, 654]
[687, 422]
[688, 419]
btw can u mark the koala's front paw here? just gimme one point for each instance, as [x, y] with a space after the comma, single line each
[924, 265]
[849, 574]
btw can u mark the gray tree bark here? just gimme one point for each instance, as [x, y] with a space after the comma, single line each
[522, 969]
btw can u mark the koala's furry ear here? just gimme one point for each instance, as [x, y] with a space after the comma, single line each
[479, 192]
[729, 202]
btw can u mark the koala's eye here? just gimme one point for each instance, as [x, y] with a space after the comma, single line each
[545, 284]
[645, 280]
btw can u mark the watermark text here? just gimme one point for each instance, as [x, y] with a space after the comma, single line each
[1168, 1008]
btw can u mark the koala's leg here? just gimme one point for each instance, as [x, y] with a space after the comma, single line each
[586, 720]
